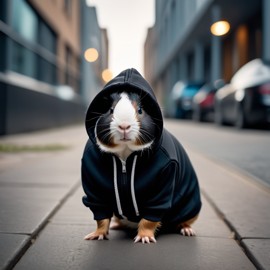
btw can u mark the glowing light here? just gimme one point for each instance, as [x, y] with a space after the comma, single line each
[220, 28]
[91, 55]
[106, 75]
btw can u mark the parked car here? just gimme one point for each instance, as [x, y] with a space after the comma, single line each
[181, 96]
[203, 101]
[171, 101]
[246, 100]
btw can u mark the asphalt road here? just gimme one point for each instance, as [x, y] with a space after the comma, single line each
[248, 150]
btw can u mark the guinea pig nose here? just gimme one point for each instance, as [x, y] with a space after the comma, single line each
[124, 127]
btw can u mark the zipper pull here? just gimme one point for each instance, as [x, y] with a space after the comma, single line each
[124, 169]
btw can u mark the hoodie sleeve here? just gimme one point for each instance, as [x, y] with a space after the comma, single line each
[160, 199]
[94, 197]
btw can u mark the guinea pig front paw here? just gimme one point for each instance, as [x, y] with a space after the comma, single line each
[145, 239]
[187, 231]
[96, 236]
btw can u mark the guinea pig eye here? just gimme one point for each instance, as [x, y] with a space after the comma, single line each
[111, 110]
[140, 110]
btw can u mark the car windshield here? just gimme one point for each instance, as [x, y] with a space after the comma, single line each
[177, 90]
[191, 90]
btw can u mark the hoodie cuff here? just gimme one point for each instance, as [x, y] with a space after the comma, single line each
[155, 216]
[98, 215]
[99, 211]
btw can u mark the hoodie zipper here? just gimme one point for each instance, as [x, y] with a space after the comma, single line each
[124, 167]
[124, 175]
[124, 185]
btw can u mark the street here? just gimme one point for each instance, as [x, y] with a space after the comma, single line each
[248, 150]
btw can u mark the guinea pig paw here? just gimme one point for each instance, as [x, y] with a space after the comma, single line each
[96, 236]
[145, 239]
[188, 231]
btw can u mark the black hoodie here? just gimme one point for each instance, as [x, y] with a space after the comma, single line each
[158, 185]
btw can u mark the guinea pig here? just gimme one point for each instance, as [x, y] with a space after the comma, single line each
[133, 169]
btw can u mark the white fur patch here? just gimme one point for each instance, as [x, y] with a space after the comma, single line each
[124, 112]
[124, 115]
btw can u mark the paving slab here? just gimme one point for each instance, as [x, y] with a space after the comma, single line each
[11, 246]
[74, 212]
[62, 247]
[57, 169]
[244, 204]
[67, 135]
[23, 210]
[259, 251]
[73, 138]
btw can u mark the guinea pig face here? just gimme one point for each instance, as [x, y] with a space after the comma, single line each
[126, 124]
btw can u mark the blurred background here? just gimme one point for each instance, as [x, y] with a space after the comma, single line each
[206, 59]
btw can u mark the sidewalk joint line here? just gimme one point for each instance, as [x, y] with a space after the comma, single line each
[43, 225]
[235, 235]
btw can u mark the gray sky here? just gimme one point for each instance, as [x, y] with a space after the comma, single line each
[127, 22]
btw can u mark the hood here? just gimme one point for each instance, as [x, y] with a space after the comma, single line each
[129, 80]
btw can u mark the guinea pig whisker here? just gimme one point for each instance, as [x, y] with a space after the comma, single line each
[106, 137]
[155, 118]
[142, 139]
[107, 131]
[142, 96]
[99, 113]
[103, 125]
[146, 135]
[93, 118]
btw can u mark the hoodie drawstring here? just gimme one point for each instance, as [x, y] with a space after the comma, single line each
[132, 187]
[118, 202]
[116, 188]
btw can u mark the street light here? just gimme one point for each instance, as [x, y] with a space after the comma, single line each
[106, 75]
[91, 54]
[220, 28]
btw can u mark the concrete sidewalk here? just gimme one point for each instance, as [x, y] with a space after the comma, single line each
[43, 221]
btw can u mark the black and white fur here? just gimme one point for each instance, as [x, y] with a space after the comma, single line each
[126, 127]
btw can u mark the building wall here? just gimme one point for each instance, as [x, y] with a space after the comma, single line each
[64, 18]
[41, 63]
[165, 62]
[39, 36]
[181, 47]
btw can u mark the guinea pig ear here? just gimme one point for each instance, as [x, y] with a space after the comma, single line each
[114, 97]
[105, 104]
[113, 100]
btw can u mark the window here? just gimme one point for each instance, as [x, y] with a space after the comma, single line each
[3, 13]
[47, 37]
[46, 71]
[68, 77]
[28, 54]
[23, 60]
[24, 20]
[3, 47]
